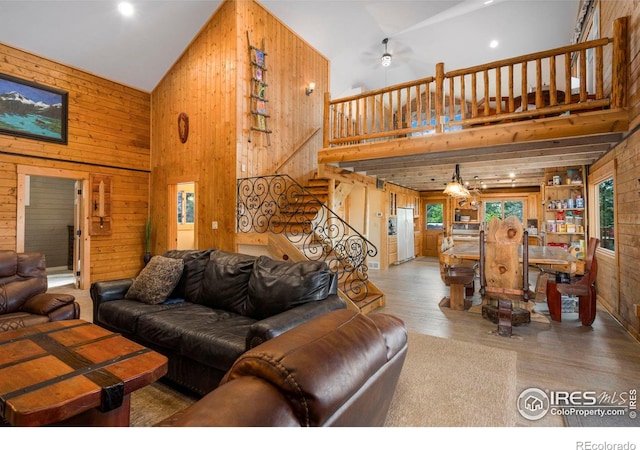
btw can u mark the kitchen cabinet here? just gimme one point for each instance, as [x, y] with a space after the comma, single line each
[392, 249]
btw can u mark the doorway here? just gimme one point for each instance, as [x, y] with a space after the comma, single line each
[182, 226]
[434, 227]
[50, 205]
[186, 214]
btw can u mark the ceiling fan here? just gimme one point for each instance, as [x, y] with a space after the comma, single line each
[385, 59]
[389, 57]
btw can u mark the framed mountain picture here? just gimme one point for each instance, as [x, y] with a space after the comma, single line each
[31, 110]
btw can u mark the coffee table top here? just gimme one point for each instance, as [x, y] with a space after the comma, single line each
[56, 370]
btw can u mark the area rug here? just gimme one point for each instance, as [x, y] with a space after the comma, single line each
[449, 383]
[444, 383]
[154, 403]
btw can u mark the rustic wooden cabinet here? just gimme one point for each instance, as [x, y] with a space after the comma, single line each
[392, 249]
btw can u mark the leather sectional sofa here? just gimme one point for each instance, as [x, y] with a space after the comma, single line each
[24, 299]
[223, 305]
[340, 369]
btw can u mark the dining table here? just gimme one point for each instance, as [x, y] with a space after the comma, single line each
[549, 258]
[554, 258]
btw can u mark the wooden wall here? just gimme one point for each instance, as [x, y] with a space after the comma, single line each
[210, 83]
[618, 278]
[108, 133]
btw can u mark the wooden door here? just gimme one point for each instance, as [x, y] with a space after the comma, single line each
[434, 213]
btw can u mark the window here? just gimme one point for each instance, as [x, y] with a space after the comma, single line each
[605, 211]
[434, 216]
[185, 207]
[503, 209]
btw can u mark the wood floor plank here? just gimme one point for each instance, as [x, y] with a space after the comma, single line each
[556, 356]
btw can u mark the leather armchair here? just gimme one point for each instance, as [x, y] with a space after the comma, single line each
[338, 369]
[24, 300]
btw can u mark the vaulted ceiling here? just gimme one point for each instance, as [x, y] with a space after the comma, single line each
[139, 50]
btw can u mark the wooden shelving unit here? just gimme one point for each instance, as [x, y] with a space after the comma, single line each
[565, 206]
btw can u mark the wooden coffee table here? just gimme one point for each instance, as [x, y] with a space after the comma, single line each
[72, 372]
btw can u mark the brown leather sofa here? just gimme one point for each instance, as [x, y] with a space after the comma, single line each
[224, 304]
[339, 369]
[24, 300]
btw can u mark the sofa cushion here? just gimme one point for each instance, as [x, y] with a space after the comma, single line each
[195, 261]
[123, 314]
[214, 337]
[156, 280]
[226, 282]
[276, 286]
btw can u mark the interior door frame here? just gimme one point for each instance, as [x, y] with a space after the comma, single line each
[423, 226]
[82, 178]
[172, 202]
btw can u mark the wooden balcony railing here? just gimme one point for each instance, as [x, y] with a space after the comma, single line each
[565, 80]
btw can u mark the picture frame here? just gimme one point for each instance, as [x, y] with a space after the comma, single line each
[32, 110]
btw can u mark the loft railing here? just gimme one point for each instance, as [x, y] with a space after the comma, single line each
[278, 204]
[553, 82]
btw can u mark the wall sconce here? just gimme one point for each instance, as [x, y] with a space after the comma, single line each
[310, 89]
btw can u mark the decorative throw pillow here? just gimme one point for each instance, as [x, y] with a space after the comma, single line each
[157, 280]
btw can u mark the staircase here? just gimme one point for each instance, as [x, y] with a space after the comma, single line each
[302, 227]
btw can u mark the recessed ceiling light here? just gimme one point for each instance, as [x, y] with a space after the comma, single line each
[493, 44]
[488, 2]
[126, 9]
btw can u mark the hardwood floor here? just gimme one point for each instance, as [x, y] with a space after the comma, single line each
[551, 356]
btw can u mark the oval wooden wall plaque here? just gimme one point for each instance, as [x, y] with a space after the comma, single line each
[183, 127]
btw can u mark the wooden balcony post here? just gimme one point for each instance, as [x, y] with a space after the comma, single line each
[439, 96]
[325, 132]
[620, 63]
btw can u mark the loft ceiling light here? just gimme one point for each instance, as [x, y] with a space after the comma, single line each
[456, 188]
[386, 56]
[126, 9]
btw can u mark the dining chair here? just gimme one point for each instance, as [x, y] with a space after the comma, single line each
[584, 286]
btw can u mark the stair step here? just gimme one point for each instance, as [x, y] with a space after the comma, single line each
[317, 187]
[370, 303]
[318, 182]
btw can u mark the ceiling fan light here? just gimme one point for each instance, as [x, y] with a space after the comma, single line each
[386, 60]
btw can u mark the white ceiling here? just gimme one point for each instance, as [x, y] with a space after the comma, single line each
[138, 51]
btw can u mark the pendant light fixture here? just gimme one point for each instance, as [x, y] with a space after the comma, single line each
[456, 188]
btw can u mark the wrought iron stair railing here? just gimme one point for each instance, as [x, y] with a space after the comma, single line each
[279, 204]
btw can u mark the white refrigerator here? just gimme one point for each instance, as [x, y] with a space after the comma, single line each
[405, 234]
